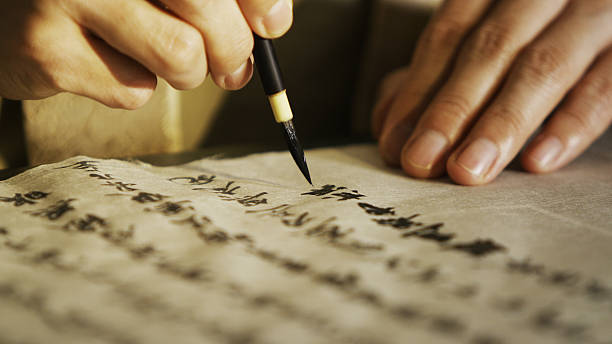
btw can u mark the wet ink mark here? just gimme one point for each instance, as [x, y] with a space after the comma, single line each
[374, 210]
[330, 190]
[479, 247]
[324, 190]
[87, 165]
[199, 180]
[55, 211]
[345, 196]
[87, 224]
[121, 186]
[30, 198]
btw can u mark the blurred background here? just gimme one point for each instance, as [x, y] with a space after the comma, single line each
[333, 59]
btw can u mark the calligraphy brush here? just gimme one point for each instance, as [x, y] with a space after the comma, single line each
[272, 80]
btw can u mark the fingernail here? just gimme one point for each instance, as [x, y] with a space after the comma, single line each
[279, 18]
[426, 149]
[478, 157]
[239, 77]
[547, 151]
[392, 142]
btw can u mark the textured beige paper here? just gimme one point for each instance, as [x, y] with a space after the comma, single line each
[106, 251]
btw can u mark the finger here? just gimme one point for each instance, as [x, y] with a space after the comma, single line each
[433, 57]
[584, 115]
[227, 37]
[161, 42]
[481, 65]
[541, 76]
[389, 88]
[268, 18]
[93, 69]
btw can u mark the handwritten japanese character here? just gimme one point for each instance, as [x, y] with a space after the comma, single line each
[171, 208]
[146, 197]
[399, 222]
[250, 201]
[102, 176]
[199, 180]
[18, 200]
[299, 221]
[87, 165]
[87, 224]
[324, 190]
[374, 210]
[227, 190]
[56, 210]
[344, 196]
[121, 186]
[194, 221]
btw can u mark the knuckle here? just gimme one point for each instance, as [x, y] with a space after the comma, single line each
[238, 51]
[582, 121]
[600, 89]
[491, 41]
[509, 122]
[182, 48]
[542, 64]
[450, 110]
[444, 33]
[591, 112]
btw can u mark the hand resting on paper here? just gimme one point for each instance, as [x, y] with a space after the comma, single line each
[485, 76]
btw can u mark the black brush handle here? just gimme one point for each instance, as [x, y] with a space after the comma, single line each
[267, 66]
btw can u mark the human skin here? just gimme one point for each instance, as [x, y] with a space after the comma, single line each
[485, 76]
[113, 50]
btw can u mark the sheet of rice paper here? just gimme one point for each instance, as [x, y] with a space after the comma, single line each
[245, 251]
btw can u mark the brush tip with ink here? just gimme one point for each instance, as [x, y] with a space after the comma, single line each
[271, 78]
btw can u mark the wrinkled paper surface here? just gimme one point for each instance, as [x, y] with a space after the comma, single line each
[244, 251]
